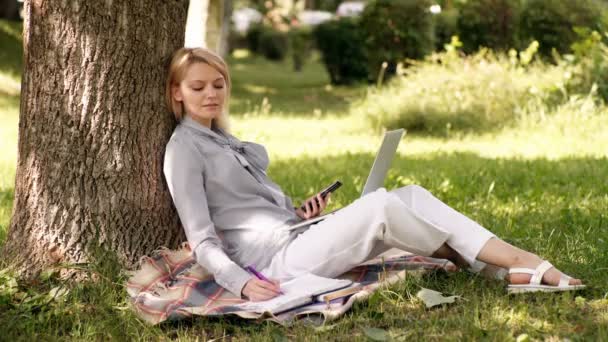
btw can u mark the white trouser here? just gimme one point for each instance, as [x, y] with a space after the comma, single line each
[409, 218]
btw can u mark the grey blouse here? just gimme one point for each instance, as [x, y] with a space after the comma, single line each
[231, 211]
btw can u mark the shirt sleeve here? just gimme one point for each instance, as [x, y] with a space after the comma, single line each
[184, 169]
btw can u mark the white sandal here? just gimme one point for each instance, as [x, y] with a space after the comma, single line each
[535, 282]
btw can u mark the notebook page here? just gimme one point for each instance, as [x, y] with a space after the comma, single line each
[298, 291]
[310, 284]
[277, 304]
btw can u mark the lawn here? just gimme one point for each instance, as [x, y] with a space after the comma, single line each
[537, 183]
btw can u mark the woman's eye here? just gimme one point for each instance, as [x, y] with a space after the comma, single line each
[197, 89]
[218, 86]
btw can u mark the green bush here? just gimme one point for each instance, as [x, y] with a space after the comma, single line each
[324, 5]
[253, 37]
[589, 71]
[449, 93]
[446, 26]
[236, 40]
[488, 23]
[341, 43]
[552, 22]
[273, 44]
[395, 30]
[300, 45]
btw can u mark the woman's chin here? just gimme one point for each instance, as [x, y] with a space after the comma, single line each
[211, 113]
[208, 115]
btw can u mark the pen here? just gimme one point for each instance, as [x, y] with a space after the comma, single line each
[259, 275]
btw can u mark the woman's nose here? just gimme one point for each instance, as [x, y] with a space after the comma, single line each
[210, 92]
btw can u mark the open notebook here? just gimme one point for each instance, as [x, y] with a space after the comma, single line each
[298, 291]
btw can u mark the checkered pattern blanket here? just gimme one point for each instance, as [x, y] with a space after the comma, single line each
[170, 285]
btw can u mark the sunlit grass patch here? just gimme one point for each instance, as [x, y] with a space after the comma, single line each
[9, 114]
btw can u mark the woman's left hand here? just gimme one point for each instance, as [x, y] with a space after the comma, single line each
[311, 209]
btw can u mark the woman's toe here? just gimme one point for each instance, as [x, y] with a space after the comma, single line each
[574, 281]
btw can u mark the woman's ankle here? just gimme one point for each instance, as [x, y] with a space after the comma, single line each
[525, 259]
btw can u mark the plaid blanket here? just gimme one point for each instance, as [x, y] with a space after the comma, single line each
[170, 285]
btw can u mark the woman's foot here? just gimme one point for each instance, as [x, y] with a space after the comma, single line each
[551, 277]
[500, 253]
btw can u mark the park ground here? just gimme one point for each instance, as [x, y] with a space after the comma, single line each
[539, 182]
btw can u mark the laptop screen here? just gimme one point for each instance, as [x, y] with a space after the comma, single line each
[383, 161]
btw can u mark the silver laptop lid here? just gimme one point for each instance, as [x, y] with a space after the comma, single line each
[383, 161]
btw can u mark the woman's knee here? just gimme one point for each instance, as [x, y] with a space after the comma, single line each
[409, 192]
[414, 189]
[379, 198]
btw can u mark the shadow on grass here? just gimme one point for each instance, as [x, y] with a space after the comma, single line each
[288, 93]
[554, 208]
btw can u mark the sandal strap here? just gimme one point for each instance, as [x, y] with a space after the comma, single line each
[521, 270]
[564, 281]
[541, 269]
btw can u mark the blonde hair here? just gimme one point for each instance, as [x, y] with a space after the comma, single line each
[181, 61]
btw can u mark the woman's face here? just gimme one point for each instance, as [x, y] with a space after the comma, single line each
[203, 92]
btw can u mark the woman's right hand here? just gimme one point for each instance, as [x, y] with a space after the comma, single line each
[258, 290]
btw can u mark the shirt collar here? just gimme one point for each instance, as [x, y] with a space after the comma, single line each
[218, 135]
[215, 134]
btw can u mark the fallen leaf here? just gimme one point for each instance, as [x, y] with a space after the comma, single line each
[376, 334]
[433, 298]
[58, 293]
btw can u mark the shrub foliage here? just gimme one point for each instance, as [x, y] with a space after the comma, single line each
[395, 30]
[273, 44]
[447, 92]
[342, 49]
[488, 23]
[552, 22]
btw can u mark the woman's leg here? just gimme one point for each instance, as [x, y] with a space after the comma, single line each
[503, 254]
[354, 234]
[466, 238]
[471, 240]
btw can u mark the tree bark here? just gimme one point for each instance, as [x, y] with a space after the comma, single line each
[226, 23]
[204, 27]
[92, 131]
[213, 37]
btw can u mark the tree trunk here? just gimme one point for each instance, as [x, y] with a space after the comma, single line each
[204, 26]
[92, 131]
[215, 15]
[226, 23]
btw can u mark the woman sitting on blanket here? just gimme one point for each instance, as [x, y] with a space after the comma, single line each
[235, 216]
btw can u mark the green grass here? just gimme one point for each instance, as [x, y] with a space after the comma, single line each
[10, 78]
[309, 94]
[539, 182]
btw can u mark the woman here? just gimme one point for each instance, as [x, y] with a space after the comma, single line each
[234, 215]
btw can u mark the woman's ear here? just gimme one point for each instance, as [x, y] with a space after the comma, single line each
[176, 92]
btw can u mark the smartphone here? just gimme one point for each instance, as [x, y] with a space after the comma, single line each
[326, 192]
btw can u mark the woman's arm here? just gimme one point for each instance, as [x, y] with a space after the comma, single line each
[183, 169]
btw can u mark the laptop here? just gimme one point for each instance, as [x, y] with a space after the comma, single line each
[377, 174]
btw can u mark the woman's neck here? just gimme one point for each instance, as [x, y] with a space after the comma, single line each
[205, 122]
